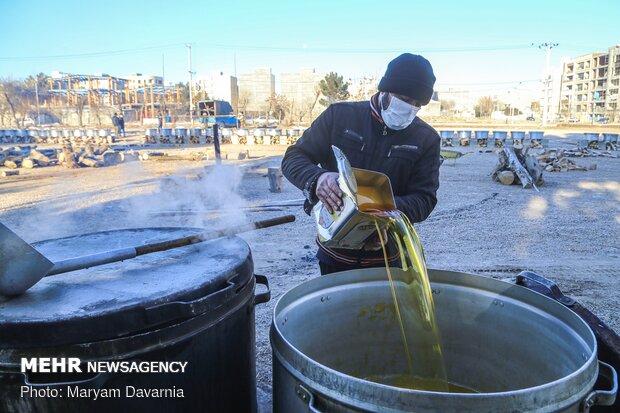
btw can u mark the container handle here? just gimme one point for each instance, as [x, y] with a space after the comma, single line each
[551, 288]
[307, 396]
[173, 310]
[264, 296]
[602, 397]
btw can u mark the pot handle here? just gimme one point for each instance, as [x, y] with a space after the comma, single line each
[307, 396]
[602, 397]
[174, 310]
[264, 296]
[550, 288]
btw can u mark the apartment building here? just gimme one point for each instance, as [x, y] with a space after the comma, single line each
[613, 84]
[138, 81]
[219, 85]
[589, 89]
[300, 89]
[254, 90]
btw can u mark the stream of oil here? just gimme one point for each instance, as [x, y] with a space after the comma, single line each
[413, 302]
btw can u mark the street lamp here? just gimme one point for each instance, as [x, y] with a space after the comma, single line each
[191, 97]
[511, 102]
[548, 46]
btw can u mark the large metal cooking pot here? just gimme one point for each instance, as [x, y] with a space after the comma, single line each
[521, 351]
[193, 304]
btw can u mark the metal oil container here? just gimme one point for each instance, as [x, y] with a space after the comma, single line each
[363, 191]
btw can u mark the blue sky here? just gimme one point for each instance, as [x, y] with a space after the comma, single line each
[482, 45]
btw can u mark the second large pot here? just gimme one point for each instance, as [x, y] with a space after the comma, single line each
[520, 350]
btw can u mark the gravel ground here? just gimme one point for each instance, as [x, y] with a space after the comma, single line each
[569, 231]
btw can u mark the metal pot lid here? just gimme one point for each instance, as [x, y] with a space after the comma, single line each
[124, 297]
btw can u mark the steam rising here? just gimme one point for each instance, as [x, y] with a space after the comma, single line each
[125, 197]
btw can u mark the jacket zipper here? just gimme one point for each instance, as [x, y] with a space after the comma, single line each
[356, 136]
[411, 148]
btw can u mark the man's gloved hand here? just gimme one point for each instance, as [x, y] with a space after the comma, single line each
[328, 191]
[373, 243]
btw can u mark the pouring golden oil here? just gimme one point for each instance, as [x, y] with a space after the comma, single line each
[369, 207]
[413, 302]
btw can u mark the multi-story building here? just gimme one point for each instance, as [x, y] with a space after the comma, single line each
[98, 88]
[301, 90]
[254, 91]
[138, 81]
[139, 96]
[613, 84]
[590, 86]
[220, 86]
[552, 91]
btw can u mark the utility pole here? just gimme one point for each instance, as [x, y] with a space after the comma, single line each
[162, 107]
[36, 94]
[548, 46]
[191, 97]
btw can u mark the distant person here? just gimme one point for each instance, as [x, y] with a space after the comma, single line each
[160, 121]
[121, 125]
[115, 122]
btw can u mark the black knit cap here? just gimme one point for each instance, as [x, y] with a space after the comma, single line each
[409, 75]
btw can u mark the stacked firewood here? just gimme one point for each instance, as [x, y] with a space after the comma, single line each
[27, 157]
[558, 160]
[92, 156]
[516, 166]
[587, 152]
[59, 138]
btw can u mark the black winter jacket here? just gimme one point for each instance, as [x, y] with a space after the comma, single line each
[409, 157]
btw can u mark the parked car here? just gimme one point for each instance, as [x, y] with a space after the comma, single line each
[530, 118]
[573, 120]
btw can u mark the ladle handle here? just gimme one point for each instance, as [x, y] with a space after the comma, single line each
[122, 254]
[210, 235]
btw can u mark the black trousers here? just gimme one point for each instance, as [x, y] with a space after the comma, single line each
[328, 269]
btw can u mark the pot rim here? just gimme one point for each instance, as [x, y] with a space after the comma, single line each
[296, 362]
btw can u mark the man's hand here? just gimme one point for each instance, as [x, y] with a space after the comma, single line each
[328, 191]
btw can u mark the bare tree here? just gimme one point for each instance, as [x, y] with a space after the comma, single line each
[80, 103]
[95, 108]
[447, 105]
[278, 106]
[16, 100]
[317, 93]
[485, 106]
[305, 108]
[242, 104]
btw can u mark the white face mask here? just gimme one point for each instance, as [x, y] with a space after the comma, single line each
[399, 114]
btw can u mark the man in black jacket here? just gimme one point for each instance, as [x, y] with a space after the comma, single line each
[382, 135]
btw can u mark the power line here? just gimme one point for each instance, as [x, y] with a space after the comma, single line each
[90, 54]
[270, 48]
[380, 50]
[509, 82]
